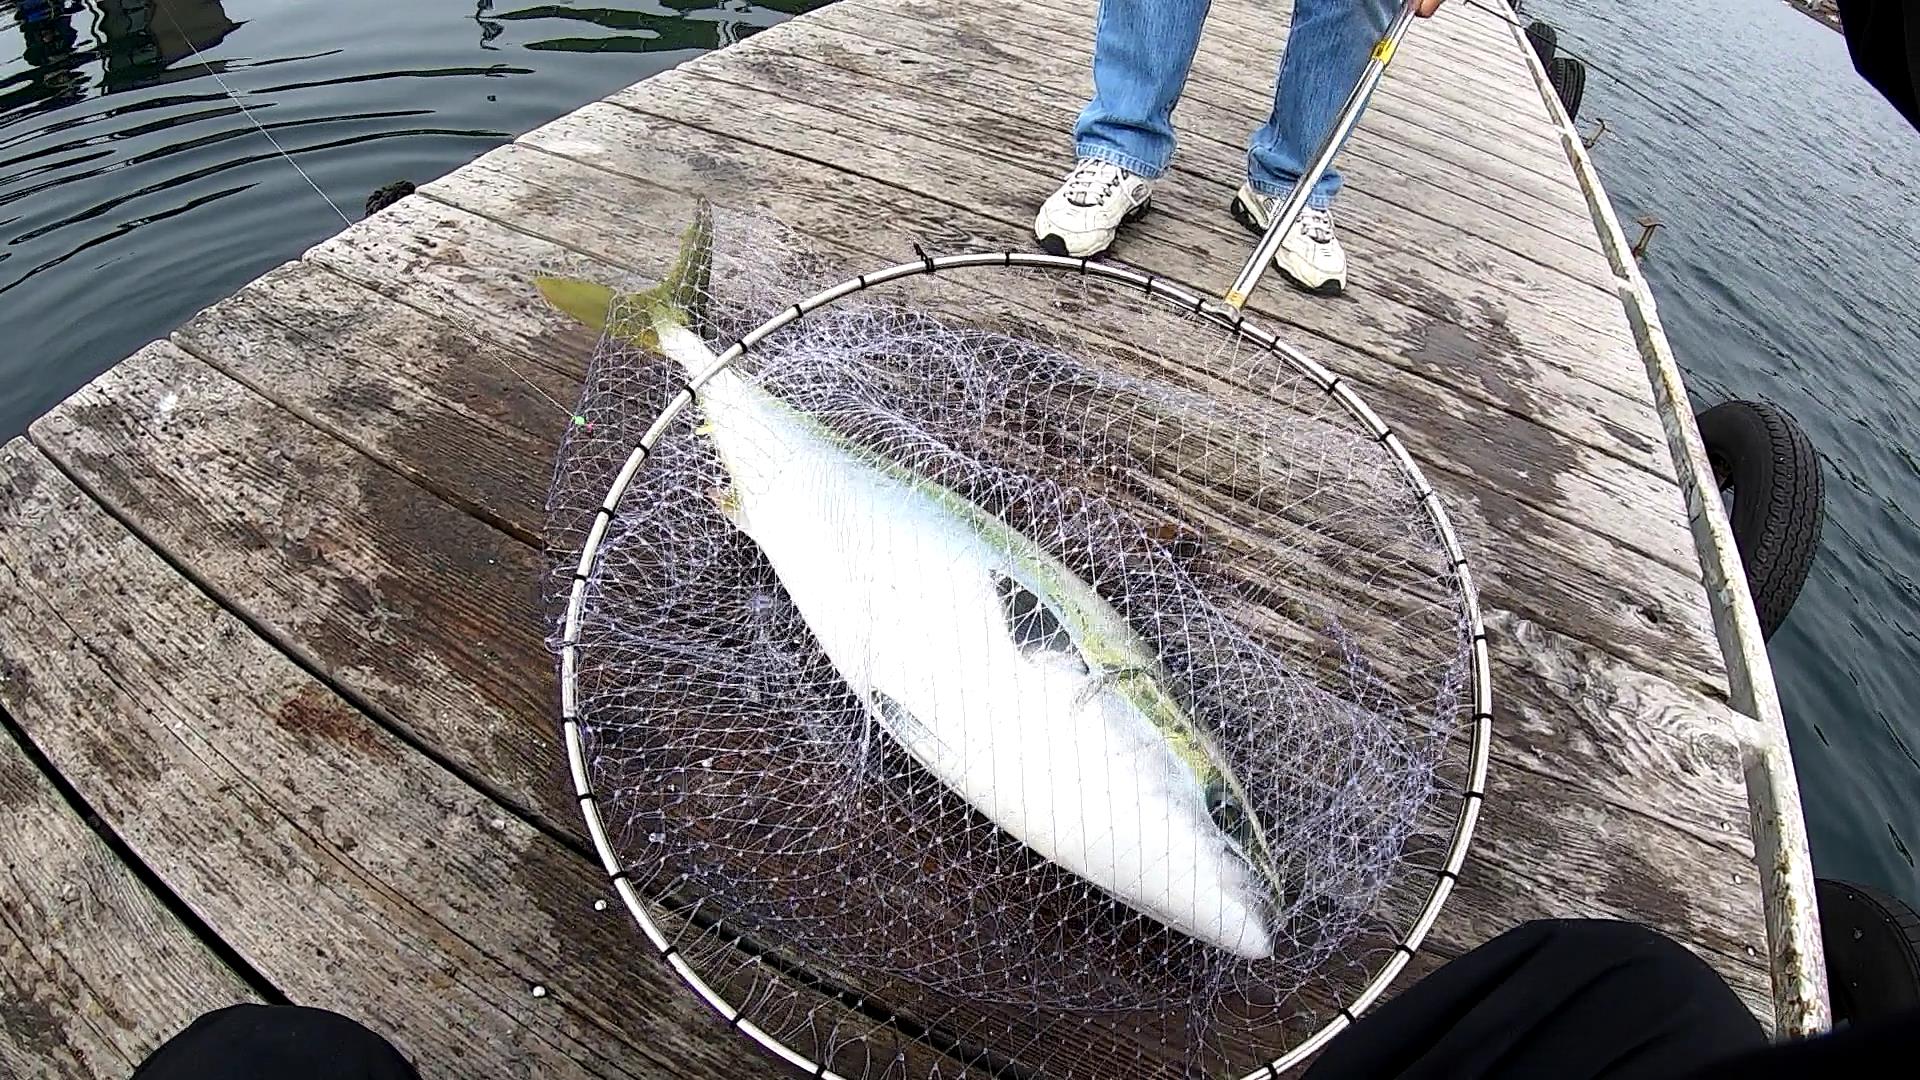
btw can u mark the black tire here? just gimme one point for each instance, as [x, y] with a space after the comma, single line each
[1872, 942]
[1569, 78]
[1761, 456]
[387, 196]
[1545, 40]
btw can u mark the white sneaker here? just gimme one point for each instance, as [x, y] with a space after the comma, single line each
[1096, 198]
[1310, 255]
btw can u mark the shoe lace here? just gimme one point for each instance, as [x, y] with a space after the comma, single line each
[1317, 225]
[1092, 180]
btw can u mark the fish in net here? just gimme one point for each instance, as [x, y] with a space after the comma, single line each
[999, 672]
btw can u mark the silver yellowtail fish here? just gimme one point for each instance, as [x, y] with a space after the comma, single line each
[987, 659]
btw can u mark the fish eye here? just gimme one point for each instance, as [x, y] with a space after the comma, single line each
[1226, 811]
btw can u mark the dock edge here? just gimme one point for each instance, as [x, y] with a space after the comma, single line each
[1795, 956]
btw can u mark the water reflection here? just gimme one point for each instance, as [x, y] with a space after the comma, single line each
[52, 55]
[134, 42]
[134, 190]
[700, 25]
[142, 38]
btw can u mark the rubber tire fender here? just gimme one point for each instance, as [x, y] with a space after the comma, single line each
[1762, 456]
[1872, 942]
[1545, 40]
[1569, 79]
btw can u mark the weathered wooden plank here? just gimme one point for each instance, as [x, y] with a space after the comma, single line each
[661, 244]
[113, 450]
[1607, 864]
[1437, 84]
[1380, 232]
[1527, 901]
[1556, 873]
[345, 866]
[1634, 738]
[1244, 53]
[361, 342]
[154, 375]
[934, 80]
[916, 49]
[471, 421]
[429, 613]
[95, 972]
[1394, 311]
[576, 208]
[408, 459]
[351, 556]
[1650, 506]
[842, 88]
[649, 152]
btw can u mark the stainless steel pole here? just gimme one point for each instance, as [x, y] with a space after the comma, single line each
[1343, 125]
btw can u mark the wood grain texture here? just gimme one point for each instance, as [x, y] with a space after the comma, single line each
[427, 612]
[1573, 404]
[118, 467]
[95, 972]
[1651, 505]
[923, 74]
[1237, 80]
[340, 470]
[1383, 232]
[1707, 814]
[1463, 436]
[471, 420]
[377, 344]
[1552, 849]
[352, 871]
[1007, 167]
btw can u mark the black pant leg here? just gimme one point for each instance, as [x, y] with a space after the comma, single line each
[1571, 1000]
[275, 1042]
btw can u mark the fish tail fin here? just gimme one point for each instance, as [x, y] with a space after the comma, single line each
[682, 299]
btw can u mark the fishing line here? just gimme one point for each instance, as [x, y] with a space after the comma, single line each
[234, 96]
[248, 113]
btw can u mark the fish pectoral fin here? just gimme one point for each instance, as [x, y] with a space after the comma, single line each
[727, 501]
[1033, 625]
[906, 728]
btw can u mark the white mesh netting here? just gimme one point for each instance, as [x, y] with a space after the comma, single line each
[999, 672]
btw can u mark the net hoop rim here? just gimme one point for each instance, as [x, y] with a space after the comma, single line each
[1220, 314]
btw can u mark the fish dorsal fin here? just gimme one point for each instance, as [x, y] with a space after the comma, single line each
[1033, 625]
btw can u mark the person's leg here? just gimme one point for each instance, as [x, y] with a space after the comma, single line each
[1327, 49]
[246, 1042]
[1142, 51]
[1573, 1000]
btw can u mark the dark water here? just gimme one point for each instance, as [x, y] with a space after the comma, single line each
[1789, 269]
[133, 192]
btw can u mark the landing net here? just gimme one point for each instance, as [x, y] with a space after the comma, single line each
[1003, 666]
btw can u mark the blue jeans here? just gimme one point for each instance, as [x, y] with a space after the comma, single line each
[1143, 50]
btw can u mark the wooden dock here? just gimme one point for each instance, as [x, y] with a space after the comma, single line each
[280, 721]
